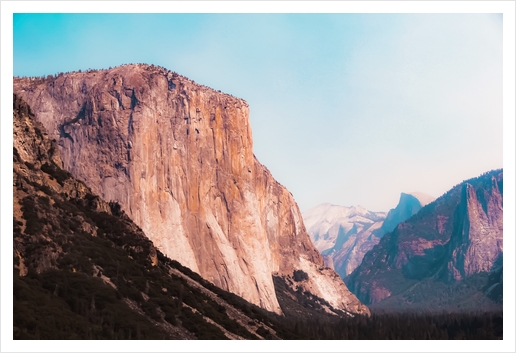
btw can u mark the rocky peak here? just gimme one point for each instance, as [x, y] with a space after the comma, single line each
[33, 146]
[408, 205]
[477, 241]
[178, 158]
[344, 235]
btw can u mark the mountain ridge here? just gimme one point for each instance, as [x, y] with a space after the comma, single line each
[452, 242]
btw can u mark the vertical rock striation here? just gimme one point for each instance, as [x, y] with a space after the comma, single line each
[477, 241]
[179, 158]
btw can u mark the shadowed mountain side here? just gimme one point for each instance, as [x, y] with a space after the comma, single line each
[449, 246]
[408, 205]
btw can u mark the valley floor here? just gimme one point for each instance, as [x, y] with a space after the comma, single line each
[409, 326]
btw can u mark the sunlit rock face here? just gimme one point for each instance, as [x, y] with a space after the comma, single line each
[37, 176]
[457, 236]
[178, 157]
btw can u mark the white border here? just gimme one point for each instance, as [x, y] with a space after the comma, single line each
[505, 7]
[259, 6]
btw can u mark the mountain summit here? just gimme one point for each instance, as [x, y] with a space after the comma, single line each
[178, 157]
[408, 205]
[343, 234]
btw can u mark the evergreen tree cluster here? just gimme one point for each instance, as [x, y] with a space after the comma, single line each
[406, 326]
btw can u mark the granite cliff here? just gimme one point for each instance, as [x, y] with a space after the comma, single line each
[447, 256]
[84, 270]
[178, 158]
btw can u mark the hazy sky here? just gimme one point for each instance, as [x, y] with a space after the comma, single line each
[351, 109]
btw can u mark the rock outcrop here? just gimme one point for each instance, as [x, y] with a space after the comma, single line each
[477, 239]
[457, 238]
[178, 158]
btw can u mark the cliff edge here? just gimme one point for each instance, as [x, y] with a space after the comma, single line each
[178, 157]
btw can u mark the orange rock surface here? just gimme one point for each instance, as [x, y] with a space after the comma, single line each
[178, 157]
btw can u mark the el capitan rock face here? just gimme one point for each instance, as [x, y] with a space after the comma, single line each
[178, 157]
[450, 245]
[83, 270]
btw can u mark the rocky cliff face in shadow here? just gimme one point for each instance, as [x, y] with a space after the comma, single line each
[408, 205]
[178, 158]
[458, 237]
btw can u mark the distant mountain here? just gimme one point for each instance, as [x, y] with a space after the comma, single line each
[330, 225]
[344, 235]
[447, 256]
[84, 270]
[408, 205]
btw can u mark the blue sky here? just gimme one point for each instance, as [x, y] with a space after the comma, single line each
[345, 108]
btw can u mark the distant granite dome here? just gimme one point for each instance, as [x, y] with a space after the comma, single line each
[408, 205]
[178, 157]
